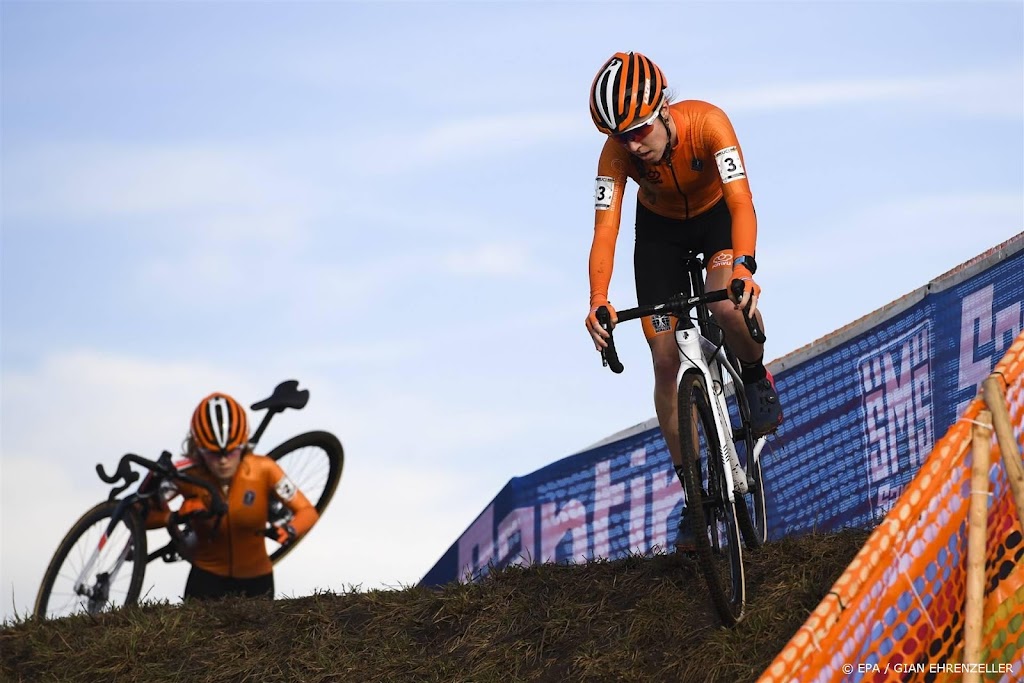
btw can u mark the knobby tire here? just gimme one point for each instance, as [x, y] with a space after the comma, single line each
[723, 575]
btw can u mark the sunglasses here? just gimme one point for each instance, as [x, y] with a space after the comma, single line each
[220, 455]
[635, 134]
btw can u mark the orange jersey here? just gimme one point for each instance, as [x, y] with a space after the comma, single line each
[705, 164]
[237, 546]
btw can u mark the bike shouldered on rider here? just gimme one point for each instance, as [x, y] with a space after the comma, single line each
[693, 197]
[228, 552]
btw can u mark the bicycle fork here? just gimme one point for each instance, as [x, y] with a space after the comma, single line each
[100, 589]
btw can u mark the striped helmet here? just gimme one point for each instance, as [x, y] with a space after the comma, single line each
[627, 93]
[219, 424]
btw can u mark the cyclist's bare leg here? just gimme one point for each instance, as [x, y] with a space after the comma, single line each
[665, 356]
[765, 410]
[733, 326]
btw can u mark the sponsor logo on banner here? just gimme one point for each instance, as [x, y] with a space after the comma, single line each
[896, 388]
[985, 335]
[614, 510]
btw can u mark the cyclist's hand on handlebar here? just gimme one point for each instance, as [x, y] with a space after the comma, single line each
[284, 534]
[194, 510]
[193, 506]
[751, 290]
[597, 333]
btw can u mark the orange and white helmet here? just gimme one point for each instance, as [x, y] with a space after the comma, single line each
[219, 424]
[627, 93]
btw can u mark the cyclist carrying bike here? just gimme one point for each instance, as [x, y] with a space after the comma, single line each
[693, 197]
[228, 552]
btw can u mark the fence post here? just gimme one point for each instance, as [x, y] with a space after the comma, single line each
[977, 521]
[1009, 449]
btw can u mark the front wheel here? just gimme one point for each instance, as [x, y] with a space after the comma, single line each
[98, 566]
[711, 511]
[313, 461]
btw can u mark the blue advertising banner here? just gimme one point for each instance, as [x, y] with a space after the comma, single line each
[863, 408]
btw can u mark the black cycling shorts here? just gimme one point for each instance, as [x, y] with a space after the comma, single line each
[662, 243]
[204, 585]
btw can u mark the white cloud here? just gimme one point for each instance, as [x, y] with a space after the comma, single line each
[214, 191]
[97, 405]
[342, 287]
[989, 93]
[470, 139]
[916, 228]
[847, 265]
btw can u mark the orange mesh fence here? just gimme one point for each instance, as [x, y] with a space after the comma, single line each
[897, 612]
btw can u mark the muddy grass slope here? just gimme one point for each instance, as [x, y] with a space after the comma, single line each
[636, 619]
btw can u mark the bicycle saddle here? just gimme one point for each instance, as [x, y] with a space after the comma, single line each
[286, 395]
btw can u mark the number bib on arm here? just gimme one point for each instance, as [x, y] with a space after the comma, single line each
[603, 193]
[730, 166]
[285, 489]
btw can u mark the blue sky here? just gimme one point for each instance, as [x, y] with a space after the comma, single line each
[392, 202]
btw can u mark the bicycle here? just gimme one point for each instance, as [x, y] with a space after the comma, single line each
[101, 562]
[706, 429]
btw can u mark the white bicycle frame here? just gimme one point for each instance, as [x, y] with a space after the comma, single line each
[82, 585]
[692, 348]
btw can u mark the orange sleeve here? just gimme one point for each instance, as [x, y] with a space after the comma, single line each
[720, 139]
[305, 514]
[609, 189]
[289, 494]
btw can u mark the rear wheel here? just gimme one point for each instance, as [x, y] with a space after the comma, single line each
[751, 512]
[712, 514]
[313, 461]
[94, 570]
[751, 508]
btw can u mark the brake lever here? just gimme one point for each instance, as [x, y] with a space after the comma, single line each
[609, 357]
[753, 326]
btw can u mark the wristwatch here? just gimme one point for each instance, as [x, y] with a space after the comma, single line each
[747, 262]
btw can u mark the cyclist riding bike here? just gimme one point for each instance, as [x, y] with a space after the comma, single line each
[228, 551]
[693, 197]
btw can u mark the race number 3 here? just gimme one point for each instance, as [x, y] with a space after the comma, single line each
[730, 166]
[603, 193]
[285, 489]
